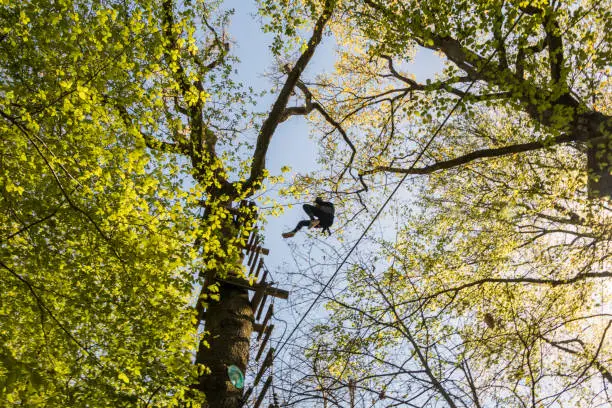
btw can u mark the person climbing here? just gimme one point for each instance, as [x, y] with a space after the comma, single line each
[321, 216]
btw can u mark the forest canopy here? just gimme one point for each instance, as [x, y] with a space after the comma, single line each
[493, 286]
[126, 137]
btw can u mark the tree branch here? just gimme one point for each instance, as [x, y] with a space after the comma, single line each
[415, 86]
[150, 141]
[423, 358]
[594, 361]
[202, 140]
[553, 282]
[222, 46]
[171, 36]
[278, 109]
[30, 225]
[69, 200]
[478, 154]
[309, 107]
[554, 42]
[498, 23]
[43, 307]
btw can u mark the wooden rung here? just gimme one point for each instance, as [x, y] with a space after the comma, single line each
[262, 281]
[278, 293]
[268, 315]
[260, 249]
[252, 253]
[261, 305]
[266, 363]
[247, 394]
[261, 264]
[263, 392]
[258, 327]
[251, 238]
[265, 341]
[241, 283]
[245, 284]
[259, 294]
[253, 261]
[267, 331]
[250, 246]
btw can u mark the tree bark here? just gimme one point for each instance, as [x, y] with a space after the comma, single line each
[599, 163]
[596, 129]
[229, 324]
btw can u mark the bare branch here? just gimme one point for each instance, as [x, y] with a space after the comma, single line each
[304, 110]
[553, 282]
[594, 361]
[222, 47]
[478, 154]
[276, 113]
[440, 85]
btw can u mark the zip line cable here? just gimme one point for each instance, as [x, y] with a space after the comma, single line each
[421, 153]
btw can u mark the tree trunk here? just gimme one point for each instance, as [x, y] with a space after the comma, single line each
[229, 323]
[599, 157]
[596, 129]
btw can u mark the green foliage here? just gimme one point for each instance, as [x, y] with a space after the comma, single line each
[550, 63]
[496, 280]
[285, 20]
[99, 213]
[494, 288]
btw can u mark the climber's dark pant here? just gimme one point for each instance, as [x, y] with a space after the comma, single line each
[325, 220]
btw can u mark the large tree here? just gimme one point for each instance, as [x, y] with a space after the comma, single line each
[495, 287]
[548, 61]
[123, 147]
[495, 290]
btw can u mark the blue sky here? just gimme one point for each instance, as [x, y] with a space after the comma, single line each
[291, 145]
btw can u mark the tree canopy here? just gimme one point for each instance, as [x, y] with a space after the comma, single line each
[126, 136]
[548, 62]
[495, 289]
[97, 229]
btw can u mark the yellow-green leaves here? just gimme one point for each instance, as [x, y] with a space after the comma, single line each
[123, 378]
[494, 221]
[97, 234]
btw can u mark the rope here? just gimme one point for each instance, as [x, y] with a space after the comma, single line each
[381, 209]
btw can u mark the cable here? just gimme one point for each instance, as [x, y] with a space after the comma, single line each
[421, 153]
